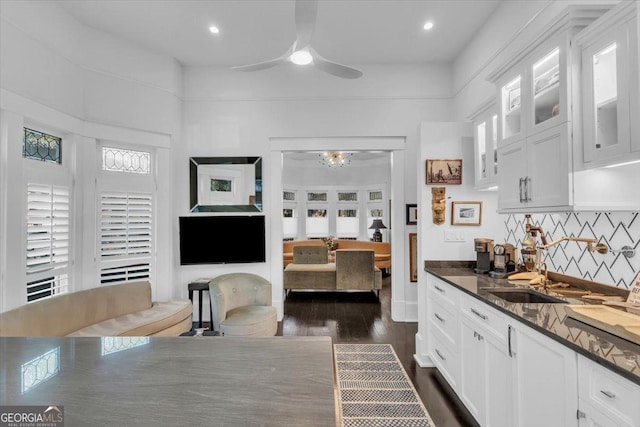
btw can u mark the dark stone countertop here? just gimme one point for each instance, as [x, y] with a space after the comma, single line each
[610, 351]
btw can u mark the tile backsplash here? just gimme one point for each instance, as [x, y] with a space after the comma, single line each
[616, 229]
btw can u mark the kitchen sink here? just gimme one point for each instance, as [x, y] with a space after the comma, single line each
[523, 296]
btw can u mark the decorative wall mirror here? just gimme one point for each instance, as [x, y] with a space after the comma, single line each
[225, 184]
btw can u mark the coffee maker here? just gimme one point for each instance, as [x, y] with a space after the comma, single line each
[503, 260]
[484, 253]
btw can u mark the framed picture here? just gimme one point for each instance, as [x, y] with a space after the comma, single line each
[442, 171]
[412, 214]
[466, 213]
[413, 257]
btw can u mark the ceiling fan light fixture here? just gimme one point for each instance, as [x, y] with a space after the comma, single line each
[301, 57]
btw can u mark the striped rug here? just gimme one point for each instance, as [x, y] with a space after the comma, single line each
[374, 389]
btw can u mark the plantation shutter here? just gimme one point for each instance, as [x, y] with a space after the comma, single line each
[126, 232]
[48, 240]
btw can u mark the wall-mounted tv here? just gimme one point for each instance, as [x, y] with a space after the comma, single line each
[221, 239]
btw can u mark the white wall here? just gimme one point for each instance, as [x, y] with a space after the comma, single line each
[91, 87]
[453, 140]
[229, 113]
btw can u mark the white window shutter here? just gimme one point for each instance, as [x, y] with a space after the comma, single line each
[126, 234]
[48, 228]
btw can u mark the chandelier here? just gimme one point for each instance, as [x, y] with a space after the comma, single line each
[334, 158]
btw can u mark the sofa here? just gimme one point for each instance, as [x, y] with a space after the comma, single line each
[353, 269]
[382, 250]
[115, 310]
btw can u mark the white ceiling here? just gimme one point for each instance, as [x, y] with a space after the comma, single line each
[347, 31]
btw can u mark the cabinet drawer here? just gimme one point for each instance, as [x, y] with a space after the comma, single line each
[490, 318]
[609, 393]
[443, 291]
[445, 359]
[443, 318]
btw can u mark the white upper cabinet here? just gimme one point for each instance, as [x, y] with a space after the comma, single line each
[485, 125]
[609, 49]
[539, 117]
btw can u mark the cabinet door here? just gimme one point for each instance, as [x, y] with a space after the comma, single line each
[590, 417]
[485, 150]
[511, 110]
[499, 410]
[545, 381]
[512, 162]
[606, 97]
[548, 178]
[547, 88]
[473, 376]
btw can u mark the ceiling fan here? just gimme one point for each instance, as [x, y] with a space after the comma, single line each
[301, 52]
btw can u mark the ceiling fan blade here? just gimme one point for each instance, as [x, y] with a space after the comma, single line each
[334, 68]
[305, 12]
[259, 65]
[266, 64]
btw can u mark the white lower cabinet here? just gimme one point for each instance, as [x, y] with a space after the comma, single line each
[544, 380]
[485, 387]
[509, 375]
[442, 328]
[606, 400]
[505, 373]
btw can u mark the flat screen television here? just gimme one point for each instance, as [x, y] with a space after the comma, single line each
[221, 239]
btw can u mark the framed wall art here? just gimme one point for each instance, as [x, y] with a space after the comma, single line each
[412, 214]
[466, 213]
[413, 257]
[444, 171]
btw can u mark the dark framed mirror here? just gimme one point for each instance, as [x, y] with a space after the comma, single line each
[225, 184]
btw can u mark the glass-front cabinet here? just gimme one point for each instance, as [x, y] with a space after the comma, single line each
[610, 90]
[539, 103]
[511, 109]
[485, 124]
[533, 94]
[546, 87]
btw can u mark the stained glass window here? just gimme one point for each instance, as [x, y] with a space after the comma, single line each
[120, 160]
[41, 146]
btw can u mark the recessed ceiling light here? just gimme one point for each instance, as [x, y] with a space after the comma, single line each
[214, 29]
[428, 25]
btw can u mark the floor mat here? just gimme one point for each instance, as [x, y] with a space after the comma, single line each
[374, 389]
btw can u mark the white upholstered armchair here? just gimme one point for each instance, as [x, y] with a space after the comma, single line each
[241, 305]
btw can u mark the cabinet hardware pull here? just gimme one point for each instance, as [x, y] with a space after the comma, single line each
[475, 334]
[609, 394]
[509, 340]
[480, 315]
[520, 188]
[479, 337]
[527, 182]
[438, 288]
[440, 355]
[437, 316]
[580, 414]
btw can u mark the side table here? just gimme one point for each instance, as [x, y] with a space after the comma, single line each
[200, 285]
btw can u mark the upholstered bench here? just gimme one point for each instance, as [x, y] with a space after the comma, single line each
[310, 276]
[353, 270]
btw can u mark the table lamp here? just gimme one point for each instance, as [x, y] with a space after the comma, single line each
[377, 225]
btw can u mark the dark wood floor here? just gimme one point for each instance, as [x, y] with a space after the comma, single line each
[358, 317]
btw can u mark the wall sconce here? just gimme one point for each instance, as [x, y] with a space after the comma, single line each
[438, 204]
